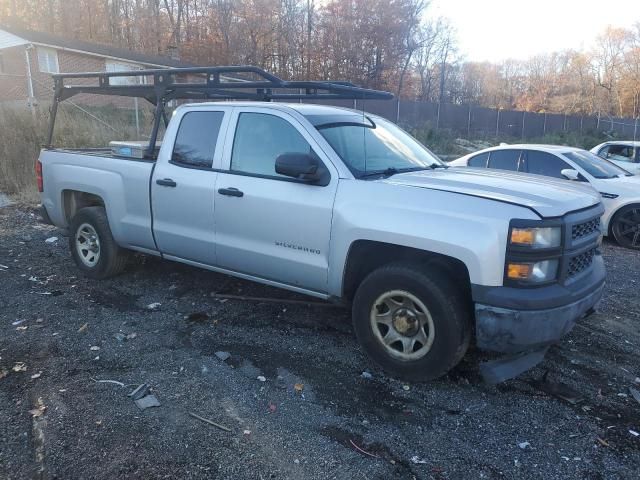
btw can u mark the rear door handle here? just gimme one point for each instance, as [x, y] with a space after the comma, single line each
[166, 182]
[231, 192]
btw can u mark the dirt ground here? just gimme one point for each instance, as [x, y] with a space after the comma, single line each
[292, 394]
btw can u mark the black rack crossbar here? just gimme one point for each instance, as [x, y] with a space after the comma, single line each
[159, 86]
[218, 83]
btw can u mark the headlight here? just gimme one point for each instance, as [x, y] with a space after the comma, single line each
[538, 272]
[536, 237]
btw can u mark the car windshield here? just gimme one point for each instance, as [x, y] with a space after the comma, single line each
[596, 166]
[371, 147]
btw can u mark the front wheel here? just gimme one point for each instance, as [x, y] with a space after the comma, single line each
[626, 227]
[413, 322]
[92, 246]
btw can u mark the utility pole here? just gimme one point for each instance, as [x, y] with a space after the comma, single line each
[443, 67]
[310, 6]
[30, 90]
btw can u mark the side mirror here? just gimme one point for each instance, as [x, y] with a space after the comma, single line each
[571, 174]
[298, 165]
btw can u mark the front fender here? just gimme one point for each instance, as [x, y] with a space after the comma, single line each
[470, 229]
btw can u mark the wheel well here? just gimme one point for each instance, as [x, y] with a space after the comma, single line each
[73, 200]
[614, 214]
[365, 256]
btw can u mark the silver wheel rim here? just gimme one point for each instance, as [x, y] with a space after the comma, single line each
[402, 324]
[88, 245]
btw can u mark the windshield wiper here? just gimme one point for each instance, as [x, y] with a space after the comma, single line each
[393, 171]
[433, 166]
[383, 173]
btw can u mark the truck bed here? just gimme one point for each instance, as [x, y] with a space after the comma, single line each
[122, 185]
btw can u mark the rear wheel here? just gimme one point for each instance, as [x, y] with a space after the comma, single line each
[92, 246]
[413, 322]
[626, 227]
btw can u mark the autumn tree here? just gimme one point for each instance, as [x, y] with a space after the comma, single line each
[395, 45]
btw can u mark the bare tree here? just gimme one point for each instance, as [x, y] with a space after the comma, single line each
[387, 44]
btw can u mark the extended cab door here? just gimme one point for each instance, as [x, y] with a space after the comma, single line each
[268, 225]
[183, 183]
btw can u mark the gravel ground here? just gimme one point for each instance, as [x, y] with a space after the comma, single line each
[455, 427]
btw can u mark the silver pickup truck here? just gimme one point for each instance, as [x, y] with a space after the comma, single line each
[345, 206]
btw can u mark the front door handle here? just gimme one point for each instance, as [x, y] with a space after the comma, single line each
[231, 192]
[166, 182]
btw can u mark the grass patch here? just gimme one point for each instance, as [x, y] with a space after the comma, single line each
[450, 145]
[22, 134]
[586, 140]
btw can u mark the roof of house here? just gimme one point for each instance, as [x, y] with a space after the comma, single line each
[56, 41]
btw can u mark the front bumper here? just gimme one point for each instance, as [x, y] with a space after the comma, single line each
[525, 334]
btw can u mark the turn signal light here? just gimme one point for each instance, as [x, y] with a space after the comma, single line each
[519, 271]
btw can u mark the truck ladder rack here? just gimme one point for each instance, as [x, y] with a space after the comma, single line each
[159, 86]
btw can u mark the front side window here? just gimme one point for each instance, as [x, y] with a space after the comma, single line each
[371, 146]
[48, 60]
[596, 166]
[479, 160]
[260, 139]
[543, 163]
[504, 159]
[196, 140]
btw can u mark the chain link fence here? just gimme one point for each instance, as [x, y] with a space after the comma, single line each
[467, 121]
[480, 122]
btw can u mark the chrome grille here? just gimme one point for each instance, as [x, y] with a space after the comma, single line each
[581, 262]
[583, 229]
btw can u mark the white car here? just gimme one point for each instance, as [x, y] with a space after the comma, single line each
[620, 189]
[623, 154]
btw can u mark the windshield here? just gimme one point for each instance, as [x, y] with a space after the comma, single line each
[371, 147]
[596, 166]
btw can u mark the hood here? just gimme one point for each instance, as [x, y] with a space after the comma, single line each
[546, 196]
[630, 167]
[627, 186]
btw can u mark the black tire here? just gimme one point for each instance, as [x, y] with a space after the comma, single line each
[112, 259]
[449, 309]
[625, 227]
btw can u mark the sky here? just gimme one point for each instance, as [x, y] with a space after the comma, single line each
[494, 30]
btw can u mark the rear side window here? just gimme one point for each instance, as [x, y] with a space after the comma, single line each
[196, 139]
[479, 160]
[504, 159]
[543, 163]
[260, 139]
